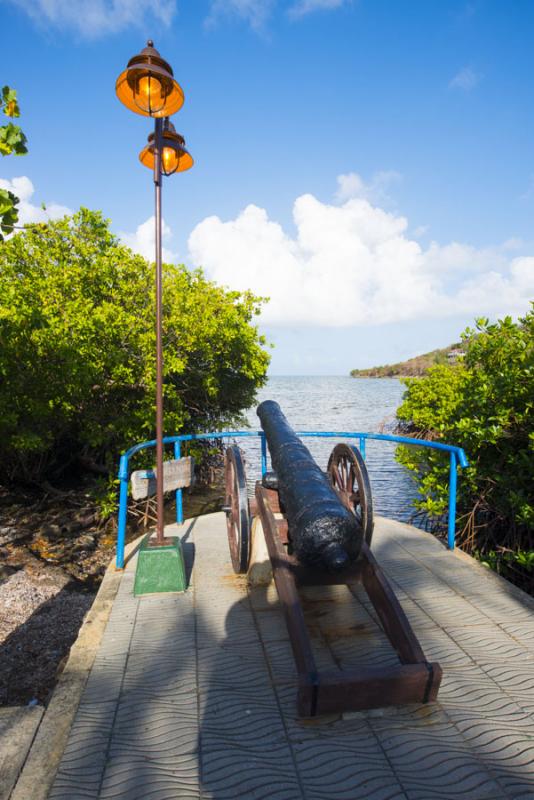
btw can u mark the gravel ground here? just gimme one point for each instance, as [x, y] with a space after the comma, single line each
[40, 614]
[53, 554]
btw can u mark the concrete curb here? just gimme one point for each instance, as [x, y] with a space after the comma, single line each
[18, 725]
[41, 764]
[492, 577]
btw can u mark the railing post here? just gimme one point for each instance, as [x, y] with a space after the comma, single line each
[263, 453]
[179, 501]
[452, 501]
[123, 511]
[362, 446]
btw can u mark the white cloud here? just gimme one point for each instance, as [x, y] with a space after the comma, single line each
[355, 264]
[23, 188]
[254, 12]
[514, 243]
[466, 79]
[303, 7]
[257, 13]
[143, 241]
[94, 18]
[352, 185]
[420, 231]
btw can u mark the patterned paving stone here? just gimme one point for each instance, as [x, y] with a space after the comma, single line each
[84, 758]
[411, 577]
[63, 788]
[281, 662]
[228, 774]
[522, 633]
[143, 669]
[438, 646]
[299, 729]
[194, 695]
[232, 666]
[426, 717]
[237, 616]
[517, 681]
[504, 744]
[490, 644]
[338, 619]
[424, 547]
[416, 614]
[370, 650]
[271, 625]
[458, 575]
[345, 769]
[151, 726]
[509, 717]
[502, 609]
[240, 719]
[147, 778]
[454, 611]
[435, 764]
[383, 791]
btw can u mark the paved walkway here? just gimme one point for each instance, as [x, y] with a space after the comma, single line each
[193, 696]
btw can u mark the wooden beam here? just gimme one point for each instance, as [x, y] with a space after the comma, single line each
[372, 687]
[287, 590]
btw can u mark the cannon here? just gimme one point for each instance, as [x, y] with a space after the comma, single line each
[323, 531]
[318, 529]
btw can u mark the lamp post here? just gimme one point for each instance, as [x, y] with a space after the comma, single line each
[147, 87]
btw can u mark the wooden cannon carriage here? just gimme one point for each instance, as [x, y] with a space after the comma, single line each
[318, 529]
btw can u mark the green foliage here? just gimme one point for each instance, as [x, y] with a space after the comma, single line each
[12, 142]
[77, 348]
[9, 214]
[9, 103]
[104, 495]
[499, 561]
[515, 566]
[485, 405]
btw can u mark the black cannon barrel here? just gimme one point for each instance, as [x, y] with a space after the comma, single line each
[322, 531]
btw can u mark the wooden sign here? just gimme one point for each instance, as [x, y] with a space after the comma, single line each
[177, 474]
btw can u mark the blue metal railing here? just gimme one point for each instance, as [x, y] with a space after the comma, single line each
[456, 457]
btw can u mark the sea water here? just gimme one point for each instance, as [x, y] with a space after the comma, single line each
[342, 403]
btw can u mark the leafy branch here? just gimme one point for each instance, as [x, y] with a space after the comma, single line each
[12, 142]
[485, 405]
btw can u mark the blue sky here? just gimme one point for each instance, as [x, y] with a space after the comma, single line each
[367, 164]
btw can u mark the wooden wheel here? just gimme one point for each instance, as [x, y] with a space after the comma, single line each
[349, 477]
[237, 509]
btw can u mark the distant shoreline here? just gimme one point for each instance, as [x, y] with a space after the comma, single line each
[413, 367]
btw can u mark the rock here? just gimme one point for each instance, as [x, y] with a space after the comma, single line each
[86, 519]
[9, 534]
[85, 542]
[51, 531]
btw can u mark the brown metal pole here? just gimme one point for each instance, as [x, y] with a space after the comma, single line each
[158, 141]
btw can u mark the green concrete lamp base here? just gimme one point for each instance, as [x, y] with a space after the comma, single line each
[160, 569]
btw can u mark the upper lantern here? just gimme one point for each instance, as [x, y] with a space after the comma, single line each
[147, 86]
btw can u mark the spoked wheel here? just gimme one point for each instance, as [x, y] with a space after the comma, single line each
[237, 509]
[350, 478]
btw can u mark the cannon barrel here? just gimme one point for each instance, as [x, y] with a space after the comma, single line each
[323, 533]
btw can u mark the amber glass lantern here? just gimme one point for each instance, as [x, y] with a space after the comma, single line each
[174, 156]
[147, 85]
